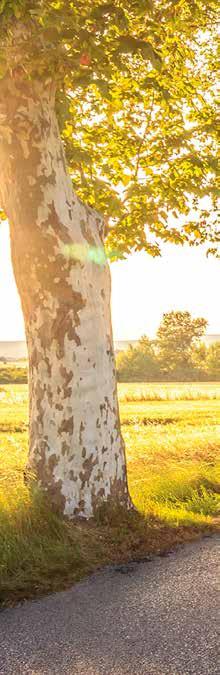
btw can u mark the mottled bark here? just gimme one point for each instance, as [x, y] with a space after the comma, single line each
[76, 448]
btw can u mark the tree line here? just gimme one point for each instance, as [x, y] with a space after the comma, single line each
[177, 353]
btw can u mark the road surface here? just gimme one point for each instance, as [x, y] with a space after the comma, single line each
[149, 618]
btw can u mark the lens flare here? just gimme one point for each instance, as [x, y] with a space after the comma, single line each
[83, 253]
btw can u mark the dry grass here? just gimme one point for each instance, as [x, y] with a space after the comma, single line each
[172, 447]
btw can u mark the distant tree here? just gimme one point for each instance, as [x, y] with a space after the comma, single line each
[177, 335]
[213, 361]
[138, 363]
[177, 353]
[199, 361]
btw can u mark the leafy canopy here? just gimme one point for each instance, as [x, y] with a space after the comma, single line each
[136, 104]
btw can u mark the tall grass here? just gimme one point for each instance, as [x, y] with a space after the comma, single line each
[172, 448]
[169, 392]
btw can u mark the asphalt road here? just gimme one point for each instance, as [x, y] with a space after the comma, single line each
[151, 618]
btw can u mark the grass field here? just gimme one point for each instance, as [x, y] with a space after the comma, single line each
[172, 435]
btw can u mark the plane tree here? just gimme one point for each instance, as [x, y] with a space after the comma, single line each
[107, 127]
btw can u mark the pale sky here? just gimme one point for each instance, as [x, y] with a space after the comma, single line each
[142, 289]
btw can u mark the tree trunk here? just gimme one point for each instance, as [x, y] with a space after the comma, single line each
[76, 447]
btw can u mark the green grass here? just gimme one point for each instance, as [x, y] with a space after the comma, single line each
[12, 373]
[172, 447]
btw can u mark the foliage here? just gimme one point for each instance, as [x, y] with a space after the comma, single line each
[198, 358]
[177, 354]
[213, 361]
[136, 104]
[177, 334]
[138, 363]
[173, 471]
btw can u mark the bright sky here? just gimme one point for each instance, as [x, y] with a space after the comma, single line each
[142, 289]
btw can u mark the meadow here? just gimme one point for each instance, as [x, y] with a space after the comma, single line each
[172, 437]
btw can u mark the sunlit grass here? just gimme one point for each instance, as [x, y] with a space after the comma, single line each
[180, 391]
[174, 459]
[172, 448]
[11, 373]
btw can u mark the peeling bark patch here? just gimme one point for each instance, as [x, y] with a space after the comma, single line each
[67, 376]
[66, 426]
[59, 406]
[49, 367]
[86, 231]
[52, 462]
[66, 323]
[57, 499]
[88, 467]
[34, 358]
[65, 448]
[119, 491]
[101, 227]
[81, 429]
[44, 466]
[72, 476]
[67, 392]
